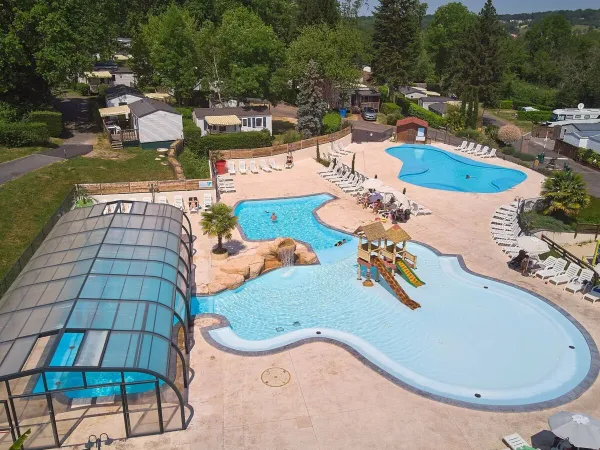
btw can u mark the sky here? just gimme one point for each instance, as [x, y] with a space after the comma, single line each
[509, 6]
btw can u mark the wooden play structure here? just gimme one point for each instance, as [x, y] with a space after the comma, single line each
[385, 250]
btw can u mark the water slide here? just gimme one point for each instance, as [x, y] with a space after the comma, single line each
[408, 274]
[393, 284]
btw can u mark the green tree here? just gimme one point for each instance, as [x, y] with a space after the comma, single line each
[314, 12]
[566, 193]
[168, 49]
[311, 106]
[219, 222]
[396, 41]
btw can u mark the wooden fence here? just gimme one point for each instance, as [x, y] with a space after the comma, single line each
[137, 187]
[588, 228]
[284, 148]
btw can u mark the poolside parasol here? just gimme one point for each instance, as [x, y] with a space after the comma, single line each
[581, 429]
[401, 198]
[372, 183]
[386, 189]
[532, 245]
[374, 197]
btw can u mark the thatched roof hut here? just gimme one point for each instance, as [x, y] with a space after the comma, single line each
[371, 231]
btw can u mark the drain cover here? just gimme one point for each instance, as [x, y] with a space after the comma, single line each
[275, 377]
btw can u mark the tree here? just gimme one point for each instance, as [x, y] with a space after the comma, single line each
[314, 12]
[396, 41]
[566, 192]
[509, 134]
[311, 106]
[219, 222]
[168, 48]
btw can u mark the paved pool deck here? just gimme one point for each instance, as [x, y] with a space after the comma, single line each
[334, 401]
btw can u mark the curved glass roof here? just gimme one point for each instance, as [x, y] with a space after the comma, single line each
[119, 273]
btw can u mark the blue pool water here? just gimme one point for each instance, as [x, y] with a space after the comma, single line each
[470, 336]
[433, 168]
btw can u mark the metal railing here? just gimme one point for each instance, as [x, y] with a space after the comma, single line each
[12, 273]
[567, 255]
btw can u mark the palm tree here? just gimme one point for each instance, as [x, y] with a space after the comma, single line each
[219, 221]
[566, 192]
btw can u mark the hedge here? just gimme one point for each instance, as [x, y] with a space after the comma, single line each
[394, 117]
[534, 116]
[505, 104]
[191, 136]
[332, 122]
[20, 134]
[81, 88]
[186, 112]
[52, 119]
[389, 108]
[518, 104]
[433, 119]
[231, 141]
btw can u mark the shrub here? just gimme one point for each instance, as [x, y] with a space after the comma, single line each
[491, 131]
[194, 166]
[385, 92]
[433, 119]
[381, 118]
[527, 94]
[404, 104]
[191, 136]
[394, 117]
[505, 104]
[389, 108]
[186, 113]
[52, 119]
[469, 133]
[230, 141]
[534, 116]
[20, 134]
[9, 113]
[508, 150]
[291, 136]
[81, 88]
[332, 122]
[509, 134]
[102, 89]
[524, 156]
[517, 104]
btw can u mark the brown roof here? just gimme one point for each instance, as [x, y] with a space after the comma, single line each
[414, 120]
[240, 112]
[371, 231]
[397, 234]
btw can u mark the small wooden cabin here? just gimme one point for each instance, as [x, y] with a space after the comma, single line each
[411, 130]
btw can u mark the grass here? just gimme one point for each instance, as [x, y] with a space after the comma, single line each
[28, 202]
[591, 213]
[193, 166]
[510, 116]
[9, 154]
[561, 223]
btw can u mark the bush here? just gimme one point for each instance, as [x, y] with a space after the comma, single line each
[389, 108]
[404, 104]
[20, 134]
[332, 122]
[534, 116]
[433, 119]
[52, 119]
[291, 136]
[518, 104]
[231, 141]
[9, 113]
[508, 150]
[194, 166]
[81, 88]
[505, 104]
[527, 94]
[524, 156]
[186, 113]
[394, 117]
[102, 89]
[191, 136]
[385, 92]
[381, 118]
[509, 134]
[469, 133]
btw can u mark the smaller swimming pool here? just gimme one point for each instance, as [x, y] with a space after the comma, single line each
[434, 168]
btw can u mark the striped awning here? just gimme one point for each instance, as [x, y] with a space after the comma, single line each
[223, 120]
[114, 111]
[157, 95]
[98, 74]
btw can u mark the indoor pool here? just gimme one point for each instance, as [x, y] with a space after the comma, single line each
[430, 167]
[473, 339]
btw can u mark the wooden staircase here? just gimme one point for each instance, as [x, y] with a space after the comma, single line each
[116, 144]
[393, 284]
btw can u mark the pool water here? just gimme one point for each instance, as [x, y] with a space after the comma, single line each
[471, 336]
[430, 167]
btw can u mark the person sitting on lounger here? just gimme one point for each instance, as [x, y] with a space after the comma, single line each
[377, 206]
[193, 204]
[520, 261]
[289, 161]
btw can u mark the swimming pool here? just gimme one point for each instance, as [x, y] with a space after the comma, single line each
[431, 167]
[473, 340]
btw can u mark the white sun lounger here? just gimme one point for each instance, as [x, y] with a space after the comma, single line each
[514, 441]
[544, 264]
[491, 154]
[263, 166]
[483, 151]
[163, 200]
[242, 167]
[231, 167]
[556, 269]
[468, 148]
[224, 188]
[474, 150]
[178, 202]
[566, 276]
[147, 199]
[579, 283]
[593, 296]
[461, 146]
[207, 201]
[274, 165]
[253, 167]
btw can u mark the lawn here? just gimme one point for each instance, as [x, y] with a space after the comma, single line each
[28, 202]
[559, 223]
[8, 154]
[510, 116]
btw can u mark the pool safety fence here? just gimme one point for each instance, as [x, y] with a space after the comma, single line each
[12, 273]
[138, 187]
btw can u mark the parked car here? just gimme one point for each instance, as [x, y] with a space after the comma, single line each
[369, 113]
[529, 109]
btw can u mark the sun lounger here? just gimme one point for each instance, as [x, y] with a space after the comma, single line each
[515, 441]
[226, 188]
[566, 276]
[491, 154]
[419, 210]
[544, 264]
[231, 167]
[468, 148]
[461, 146]
[253, 167]
[483, 151]
[163, 200]
[593, 296]
[207, 201]
[579, 283]
[264, 167]
[242, 167]
[147, 199]
[556, 269]
[178, 202]
[274, 165]
[193, 205]
[474, 150]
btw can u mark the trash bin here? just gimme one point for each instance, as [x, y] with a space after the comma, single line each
[343, 112]
[541, 157]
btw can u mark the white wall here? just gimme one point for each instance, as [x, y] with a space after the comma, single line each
[122, 99]
[126, 79]
[267, 123]
[416, 95]
[160, 126]
[573, 139]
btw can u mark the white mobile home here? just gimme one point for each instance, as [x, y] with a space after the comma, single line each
[157, 123]
[582, 135]
[122, 95]
[232, 120]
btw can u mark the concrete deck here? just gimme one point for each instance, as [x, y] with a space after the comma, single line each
[333, 401]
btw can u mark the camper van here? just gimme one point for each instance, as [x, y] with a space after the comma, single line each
[574, 115]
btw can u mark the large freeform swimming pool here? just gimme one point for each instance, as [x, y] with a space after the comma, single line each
[431, 167]
[474, 340]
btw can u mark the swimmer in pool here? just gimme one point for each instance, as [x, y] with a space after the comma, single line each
[468, 176]
[273, 217]
[338, 243]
